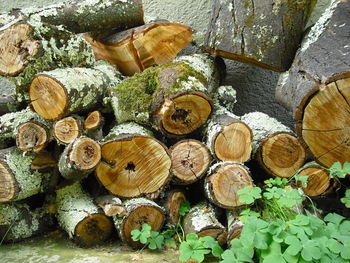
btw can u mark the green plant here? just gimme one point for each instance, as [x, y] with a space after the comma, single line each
[151, 239]
[339, 171]
[346, 199]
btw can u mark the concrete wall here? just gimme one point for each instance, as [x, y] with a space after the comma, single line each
[255, 86]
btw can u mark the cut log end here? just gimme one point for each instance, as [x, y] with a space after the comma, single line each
[93, 120]
[8, 186]
[281, 154]
[66, 130]
[318, 181]
[94, 229]
[185, 113]
[190, 160]
[32, 136]
[48, 97]
[85, 154]
[173, 205]
[134, 166]
[234, 142]
[16, 46]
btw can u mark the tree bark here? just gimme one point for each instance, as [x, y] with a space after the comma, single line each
[79, 158]
[8, 98]
[263, 33]
[80, 217]
[190, 161]
[68, 129]
[223, 182]
[315, 87]
[173, 98]
[275, 147]
[133, 162]
[139, 211]
[136, 49]
[234, 225]
[60, 92]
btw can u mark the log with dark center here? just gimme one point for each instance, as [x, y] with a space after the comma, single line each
[223, 182]
[67, 129]
[190, 161]
[139, 211]
[133, 162]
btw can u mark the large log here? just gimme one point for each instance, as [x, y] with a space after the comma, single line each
[174, 98]
[263, 33]
[80, 217]
[133, 162]
[60, 92]
[83, 16]
[275, 147]
[138, 211]
[223, 182]
[139, 48]
[315, 89]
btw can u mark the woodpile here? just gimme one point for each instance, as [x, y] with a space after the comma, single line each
[114, 151]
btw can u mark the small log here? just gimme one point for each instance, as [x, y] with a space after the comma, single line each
[190, 161]
[18, 221]
[139, 211]
[111, 205]
[172, 203]
[80, 217]
[223, 182]
[67, 129]
[227, 137]
[83, 16]
[60, 92]
[275, 147]
[173, 98]
[8, 98]
[79, 158]
[17, 179]
[234, 225]
[315, 89]
[31, 131]
[133, 162]
[139, 48]
[43, 160]
[263, 33]
[202, 220]
[93, 125]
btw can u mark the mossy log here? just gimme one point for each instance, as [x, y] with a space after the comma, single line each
[318, 180]
[80, 217]
[29, 129]
[17, 179]
[172, 203]
[139, 48]
[223, 182]
[67, 129]
[79, 158]
[138, 211]
[225, 96]
[202, 220]
[93, 125]
[174, 98]
[263, 33]
[227, 137]
[190, 161]
[8, 98]
[83, 16]
[275, 147]
[133, 162]
[111, 205]
[60, 92]
[19, 221]
[29, 48]
[315, 89]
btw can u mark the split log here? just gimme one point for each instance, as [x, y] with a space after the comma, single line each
[202, 220]
[60, 92]
[228, 138]
[172, 203]
[111, 205]
[263, 33]
[79, 158]
[315, 89]
[93, 125]
[83, 16]
[18, 221]
[190, 161]
[318, 180]
[139, 48]
[17, 179]
[133, 162]
[67, 129]
[173, 98]
[223, 182]
[234, 225]
[139, 211]
[80, 217]
[31, 131]
[275, 147]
